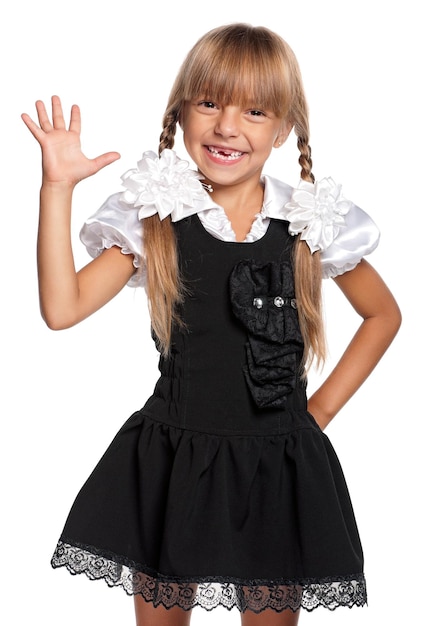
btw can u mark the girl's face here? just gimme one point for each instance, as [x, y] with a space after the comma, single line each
[230, 143]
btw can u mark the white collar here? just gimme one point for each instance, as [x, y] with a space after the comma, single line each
[216, 222]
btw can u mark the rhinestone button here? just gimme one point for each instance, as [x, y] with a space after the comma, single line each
[258, 303]
[279, 302]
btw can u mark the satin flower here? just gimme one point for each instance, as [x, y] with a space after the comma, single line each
[163, 185]
[317, 210]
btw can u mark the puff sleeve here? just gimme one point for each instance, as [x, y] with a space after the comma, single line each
[357, 237]
[328, 222]
[116, 224]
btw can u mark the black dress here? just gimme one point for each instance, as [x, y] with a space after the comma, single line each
[222, 489]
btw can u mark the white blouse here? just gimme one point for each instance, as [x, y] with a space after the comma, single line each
[342, 231]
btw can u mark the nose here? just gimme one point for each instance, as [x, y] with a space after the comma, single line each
[227, 123]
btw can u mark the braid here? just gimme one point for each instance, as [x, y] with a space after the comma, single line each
[166, 139]
[308, 267]
[305, 159]
[164, 286]
[300, 116]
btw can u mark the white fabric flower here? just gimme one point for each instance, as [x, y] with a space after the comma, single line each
[163, 185]
[317, 211]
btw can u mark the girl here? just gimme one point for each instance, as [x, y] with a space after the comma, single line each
[223, 489]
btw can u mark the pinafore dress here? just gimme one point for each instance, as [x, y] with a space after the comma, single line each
[222, 490]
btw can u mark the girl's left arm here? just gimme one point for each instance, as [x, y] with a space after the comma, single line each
[373, 301]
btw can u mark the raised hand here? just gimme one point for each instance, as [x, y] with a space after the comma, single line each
[62, 158]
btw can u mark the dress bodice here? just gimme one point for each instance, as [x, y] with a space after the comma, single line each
[236, 296]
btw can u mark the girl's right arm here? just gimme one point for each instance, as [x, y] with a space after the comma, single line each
[67, 296]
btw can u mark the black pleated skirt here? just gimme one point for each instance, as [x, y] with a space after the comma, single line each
[188, 518]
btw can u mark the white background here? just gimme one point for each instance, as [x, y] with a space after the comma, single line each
[64, 395]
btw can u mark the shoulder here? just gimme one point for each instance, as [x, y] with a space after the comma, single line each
[327, 220]
[356, 238]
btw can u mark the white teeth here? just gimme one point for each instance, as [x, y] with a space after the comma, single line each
[226, 157]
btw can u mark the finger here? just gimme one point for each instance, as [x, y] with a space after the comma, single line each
[35, 130]
[57, 114]
[44, 121]
[75, 119]
[105, 159]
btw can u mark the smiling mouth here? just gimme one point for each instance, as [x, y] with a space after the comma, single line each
[225, 155]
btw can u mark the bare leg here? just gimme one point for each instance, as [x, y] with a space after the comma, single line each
[147, 615]
[270, 618]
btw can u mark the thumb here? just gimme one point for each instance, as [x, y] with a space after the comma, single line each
[105, 159]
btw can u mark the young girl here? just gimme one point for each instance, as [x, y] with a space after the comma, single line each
[223, 489]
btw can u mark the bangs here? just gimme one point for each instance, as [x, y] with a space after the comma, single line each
[246, 68]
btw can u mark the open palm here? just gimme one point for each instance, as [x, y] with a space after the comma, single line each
[62, 158]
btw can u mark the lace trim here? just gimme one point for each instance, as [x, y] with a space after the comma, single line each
[255, 595]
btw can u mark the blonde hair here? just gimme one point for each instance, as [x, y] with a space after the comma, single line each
[236, 64]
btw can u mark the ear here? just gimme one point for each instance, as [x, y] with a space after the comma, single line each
[283, 133]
